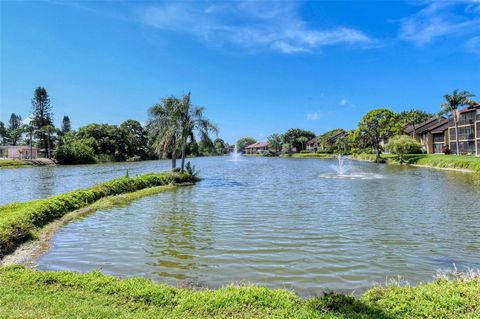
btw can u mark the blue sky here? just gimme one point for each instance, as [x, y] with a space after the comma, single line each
[258, 67]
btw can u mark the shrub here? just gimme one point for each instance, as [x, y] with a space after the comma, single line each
[75, 153]
[270, 153]
[403, 144]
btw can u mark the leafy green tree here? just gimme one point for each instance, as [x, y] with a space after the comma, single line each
[413, 117]
[377, 125]
[3, 133]
[303, 140]
[244, 142]
[135, 139]
[403, 144]
[14, 129]
[342, 144]
[76, 152]
[292, 137]
[42, 117]
[451, 107]
[206, 148]
[275, 141]
[66, 125]
[219, 145]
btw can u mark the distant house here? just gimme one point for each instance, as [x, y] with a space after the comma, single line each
[256, 147]
[431, 134]
[18, 152]
[468, 131]
[229, 149]
[320, 143]
[313, 144]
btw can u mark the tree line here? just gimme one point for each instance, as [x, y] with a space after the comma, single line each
[375, 128]
[175, 129]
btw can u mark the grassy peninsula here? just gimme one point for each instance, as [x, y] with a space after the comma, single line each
[21, 221]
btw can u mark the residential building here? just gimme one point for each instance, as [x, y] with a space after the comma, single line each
[468, 131]
[313, 144]
[318, 143]
[256, 147]
[431, 134]
[18, 152]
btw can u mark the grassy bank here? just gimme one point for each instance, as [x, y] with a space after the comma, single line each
[21, 221]
[311, 155]
[27, 293]
[460, 162]
[15, 163]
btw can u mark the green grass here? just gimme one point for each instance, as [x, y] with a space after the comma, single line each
[445, 161]
[21, 221]
[312, 155]
[27, 293]
[432, 160]
[15, 163]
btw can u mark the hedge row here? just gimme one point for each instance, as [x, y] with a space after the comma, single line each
[19, 221]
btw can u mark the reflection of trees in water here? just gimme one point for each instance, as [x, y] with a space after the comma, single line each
[45, 181]
[179, 233]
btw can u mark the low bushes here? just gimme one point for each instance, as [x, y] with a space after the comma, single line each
[28, 293]
[75, 153]
[19, 221]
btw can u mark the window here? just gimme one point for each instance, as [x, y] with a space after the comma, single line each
[464, 133]
[437, 148]
[466, 147]
[438, 138]
[465, 118]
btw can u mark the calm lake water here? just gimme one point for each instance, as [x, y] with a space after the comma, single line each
[283, 223]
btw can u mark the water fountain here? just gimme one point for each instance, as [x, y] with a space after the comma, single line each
[341, 168]
[344, 171]
[235, 155]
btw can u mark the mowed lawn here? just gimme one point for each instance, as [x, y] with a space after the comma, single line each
[27, 293]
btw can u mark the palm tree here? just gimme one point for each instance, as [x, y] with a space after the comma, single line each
[163, 128]
[451, 107]
[30, 130]
[191, 121]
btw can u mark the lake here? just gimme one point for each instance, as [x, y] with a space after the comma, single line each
[278, 222]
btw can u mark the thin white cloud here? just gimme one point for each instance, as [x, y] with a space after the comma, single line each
[440, 19]
[250, 24]
[473, 45]
[313, 116]
[345, 102]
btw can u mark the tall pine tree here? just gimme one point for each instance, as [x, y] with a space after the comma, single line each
[14, 130]
[66, 125]
[42, 117]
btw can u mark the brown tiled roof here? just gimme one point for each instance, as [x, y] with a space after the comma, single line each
[433, 125]
[441, 128]
[258, 145]
[470, 108]
[409, 129]
[313, 140]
